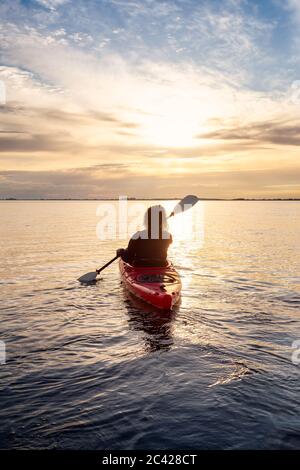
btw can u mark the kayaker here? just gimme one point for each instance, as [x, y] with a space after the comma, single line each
[149, 247]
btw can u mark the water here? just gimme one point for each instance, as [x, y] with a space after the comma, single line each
[92, 368]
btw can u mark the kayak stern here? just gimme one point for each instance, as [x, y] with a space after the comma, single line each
[158, 286]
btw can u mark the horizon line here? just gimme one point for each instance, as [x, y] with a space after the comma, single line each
[13, 199]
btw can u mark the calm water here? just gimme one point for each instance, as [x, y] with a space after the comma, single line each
[90, 367]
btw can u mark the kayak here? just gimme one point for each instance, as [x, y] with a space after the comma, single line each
[158, 286]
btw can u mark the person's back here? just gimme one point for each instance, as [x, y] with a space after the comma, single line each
[149, 247]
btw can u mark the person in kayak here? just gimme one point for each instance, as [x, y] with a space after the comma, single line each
[149, 247]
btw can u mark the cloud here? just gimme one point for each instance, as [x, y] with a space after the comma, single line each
[51, 4]
[279, 133]
[105, 181]
[84, 118]
[294, 6]
[220, 35]
[32, 143]
[9, 131]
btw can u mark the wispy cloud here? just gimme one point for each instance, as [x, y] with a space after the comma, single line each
[281, 133]
[51, 4]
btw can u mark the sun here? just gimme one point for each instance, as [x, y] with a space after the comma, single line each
[170, 131]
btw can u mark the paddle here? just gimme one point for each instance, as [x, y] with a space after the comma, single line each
[186, 203]
[90, 277]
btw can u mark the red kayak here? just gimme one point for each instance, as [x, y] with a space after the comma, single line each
[158, 286]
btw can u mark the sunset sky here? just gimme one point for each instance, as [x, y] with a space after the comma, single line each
[150, 98]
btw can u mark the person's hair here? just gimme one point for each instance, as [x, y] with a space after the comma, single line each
[157, 217]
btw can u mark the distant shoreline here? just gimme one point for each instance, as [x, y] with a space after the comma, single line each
[11, 199]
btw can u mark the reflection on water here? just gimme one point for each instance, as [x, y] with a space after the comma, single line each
[93, 367]
[155, 326]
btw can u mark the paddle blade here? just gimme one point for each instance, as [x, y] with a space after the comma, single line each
[186, 203]
[88, 277]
